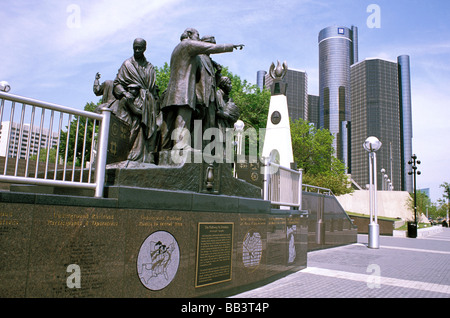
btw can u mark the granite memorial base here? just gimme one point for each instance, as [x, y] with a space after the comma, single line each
[185, 231]
[141, 242]
[328, 223]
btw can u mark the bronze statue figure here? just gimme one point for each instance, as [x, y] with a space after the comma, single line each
[192, 93]
[137, 93]
[105, 90]
[227, 111]
[206, 86]
[180, 98]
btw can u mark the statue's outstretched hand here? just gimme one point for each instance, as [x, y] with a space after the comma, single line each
[239, 46]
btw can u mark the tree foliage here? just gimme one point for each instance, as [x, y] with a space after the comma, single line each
[43, 155]
[435, 210]
[445, 201]
[81, 122]
[314, 153]
[252, 102]
[422, 201]
[162, 77]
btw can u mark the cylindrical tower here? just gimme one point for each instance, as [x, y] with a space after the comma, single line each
[338, 50]
[404, 77]
[260, 79]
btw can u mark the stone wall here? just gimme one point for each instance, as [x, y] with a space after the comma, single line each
[328, 223]
[393, 204]
[144, 243]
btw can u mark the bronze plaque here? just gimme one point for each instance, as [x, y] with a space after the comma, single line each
[275, 118]
[214, 253]
[118, 140]
[250, 172]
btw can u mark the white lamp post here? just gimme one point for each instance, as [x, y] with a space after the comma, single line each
[371, 145]
[239, 128]
[4, 86]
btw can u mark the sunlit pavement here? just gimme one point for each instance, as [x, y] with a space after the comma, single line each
[400, 268]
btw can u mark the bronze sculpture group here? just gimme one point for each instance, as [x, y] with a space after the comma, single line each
[160, 121]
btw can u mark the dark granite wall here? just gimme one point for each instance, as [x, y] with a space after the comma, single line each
[328, 223]
[50, 243]
[156, 243]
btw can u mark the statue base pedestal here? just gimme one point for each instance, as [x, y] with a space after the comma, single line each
[181, 171]
[185, 170]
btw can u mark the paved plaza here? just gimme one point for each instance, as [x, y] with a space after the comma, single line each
[401, 268]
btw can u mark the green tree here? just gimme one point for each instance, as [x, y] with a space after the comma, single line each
[253, 106]
[446, 187]
[252, 102]
[72, 137]
[422, 201]
[43, 155]
[314, 153]
[446, 199]
[162, 77]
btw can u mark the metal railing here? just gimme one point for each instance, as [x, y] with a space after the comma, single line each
[311, 188]
[85, 140]
[282, 186]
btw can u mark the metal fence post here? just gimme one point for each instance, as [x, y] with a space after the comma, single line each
[102, 153]
[300, 188]
[266, 179]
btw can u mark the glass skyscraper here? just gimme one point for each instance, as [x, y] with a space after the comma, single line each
[404, 75]
[313, 110]
[381, 107]
[357, 100]
[261, 79]
[338, 50]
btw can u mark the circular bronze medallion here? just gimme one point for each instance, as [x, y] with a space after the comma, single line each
[275, 118]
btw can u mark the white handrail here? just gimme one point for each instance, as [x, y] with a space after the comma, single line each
[282, 186]
[318, 189]
[53, 138]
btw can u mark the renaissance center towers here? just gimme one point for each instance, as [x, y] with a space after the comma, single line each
[404, 74]
[357, 99]
[338, 50]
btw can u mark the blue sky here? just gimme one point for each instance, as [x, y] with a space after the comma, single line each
[51, 50]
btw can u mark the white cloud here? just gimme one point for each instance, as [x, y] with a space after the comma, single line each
[115, 21]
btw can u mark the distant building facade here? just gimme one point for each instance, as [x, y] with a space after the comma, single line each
[357, 100]
[31, 140]
[404, 74]
[377, 109]
[313, 110]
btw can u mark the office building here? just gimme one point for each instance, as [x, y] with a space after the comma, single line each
[338, 50]
[313, 110]
[30, 141]
[377, 109]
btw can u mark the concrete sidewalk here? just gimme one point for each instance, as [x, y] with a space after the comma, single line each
[400, 268]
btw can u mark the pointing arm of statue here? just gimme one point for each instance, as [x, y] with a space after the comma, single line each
[97, 87]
